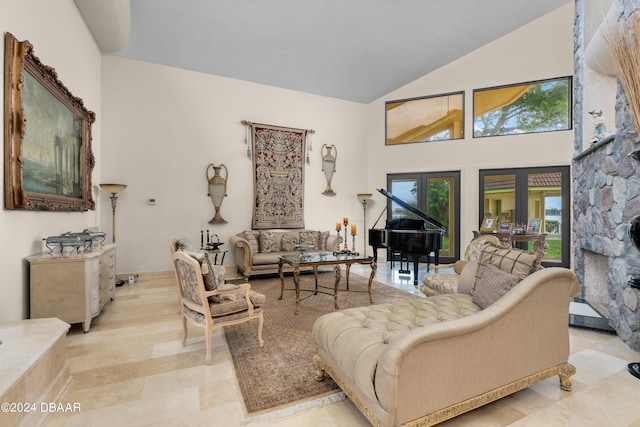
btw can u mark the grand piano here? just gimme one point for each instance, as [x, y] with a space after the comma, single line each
[409, 237]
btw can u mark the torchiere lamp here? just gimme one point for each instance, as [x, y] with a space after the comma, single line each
[114, 189]
[364, 197]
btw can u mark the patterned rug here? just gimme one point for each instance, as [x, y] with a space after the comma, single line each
[282, 371]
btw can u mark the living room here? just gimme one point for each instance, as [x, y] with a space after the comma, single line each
[157, 128]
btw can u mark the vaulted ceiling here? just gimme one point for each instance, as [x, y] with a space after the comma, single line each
[355, 50]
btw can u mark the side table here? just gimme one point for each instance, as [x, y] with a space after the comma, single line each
[539, 240]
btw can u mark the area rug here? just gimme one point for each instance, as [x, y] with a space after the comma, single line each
[278, 173]
[282, 371]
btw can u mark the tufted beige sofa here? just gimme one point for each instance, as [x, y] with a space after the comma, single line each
[422, 361]
[257, 251]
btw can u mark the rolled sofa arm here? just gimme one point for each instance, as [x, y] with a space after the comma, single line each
[244, 254]
[523, 333]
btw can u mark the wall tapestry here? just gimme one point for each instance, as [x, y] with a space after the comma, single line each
[278, 173]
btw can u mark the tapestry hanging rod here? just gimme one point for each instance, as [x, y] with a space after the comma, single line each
[248, 136]
[248, 123]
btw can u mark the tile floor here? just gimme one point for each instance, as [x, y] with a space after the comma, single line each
[131, 370]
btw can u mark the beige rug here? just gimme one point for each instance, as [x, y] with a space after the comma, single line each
[282, 371]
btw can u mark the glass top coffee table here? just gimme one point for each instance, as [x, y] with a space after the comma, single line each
[320, 259]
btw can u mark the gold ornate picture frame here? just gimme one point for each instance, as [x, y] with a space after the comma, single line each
[47, 137]
[489, 223]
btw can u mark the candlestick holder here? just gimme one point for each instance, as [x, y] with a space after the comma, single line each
[346, 241]
[353, 245]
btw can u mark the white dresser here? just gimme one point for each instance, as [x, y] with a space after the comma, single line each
[72, 287]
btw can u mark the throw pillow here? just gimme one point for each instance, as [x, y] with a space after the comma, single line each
[289, 242]
[467, 278]
[252, 238]
[309, 238]
[322, 240]
[493, 284]
[458, 266]
[209, 270]
[475, 250]
[268, 242]
[515, 261]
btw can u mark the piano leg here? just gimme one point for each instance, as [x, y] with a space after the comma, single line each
[416, 262]
[403, 257]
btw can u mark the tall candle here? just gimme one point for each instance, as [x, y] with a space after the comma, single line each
[345, 220]
[338, 226]
[353, 229]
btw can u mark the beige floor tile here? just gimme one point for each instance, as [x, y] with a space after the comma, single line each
[131, 370]
[592, 366]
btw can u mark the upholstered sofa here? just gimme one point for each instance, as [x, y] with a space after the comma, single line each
[257, 251]
[425, 360]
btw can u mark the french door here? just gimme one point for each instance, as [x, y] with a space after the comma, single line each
[437, 194]
[518, 195]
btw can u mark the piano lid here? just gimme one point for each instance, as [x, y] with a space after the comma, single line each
[407, 206]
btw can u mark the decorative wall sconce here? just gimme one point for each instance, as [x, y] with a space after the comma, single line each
[329, 166]
[114, 189]
[217, 185]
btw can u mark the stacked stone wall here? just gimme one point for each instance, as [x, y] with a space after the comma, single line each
[606, 196]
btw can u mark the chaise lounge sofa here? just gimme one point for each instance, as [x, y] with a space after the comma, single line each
[257, 251]
[425, 360]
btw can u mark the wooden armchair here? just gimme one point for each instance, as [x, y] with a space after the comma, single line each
[447, 283]
[223, 306]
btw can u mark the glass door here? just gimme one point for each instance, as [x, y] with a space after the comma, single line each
[436, 194]
[531, 199]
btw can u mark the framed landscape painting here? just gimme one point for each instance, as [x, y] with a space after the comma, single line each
[48, 157]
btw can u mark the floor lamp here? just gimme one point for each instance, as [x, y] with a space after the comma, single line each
[364, 197]
[114, 189]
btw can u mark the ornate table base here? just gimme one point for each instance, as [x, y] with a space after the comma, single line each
[316, 260]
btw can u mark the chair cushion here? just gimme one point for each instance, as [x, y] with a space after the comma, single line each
[198, 318]
[235, 302]
[493, 284]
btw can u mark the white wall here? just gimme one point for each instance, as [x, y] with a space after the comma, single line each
[62, 41]
[540, 50]
[163, 126]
